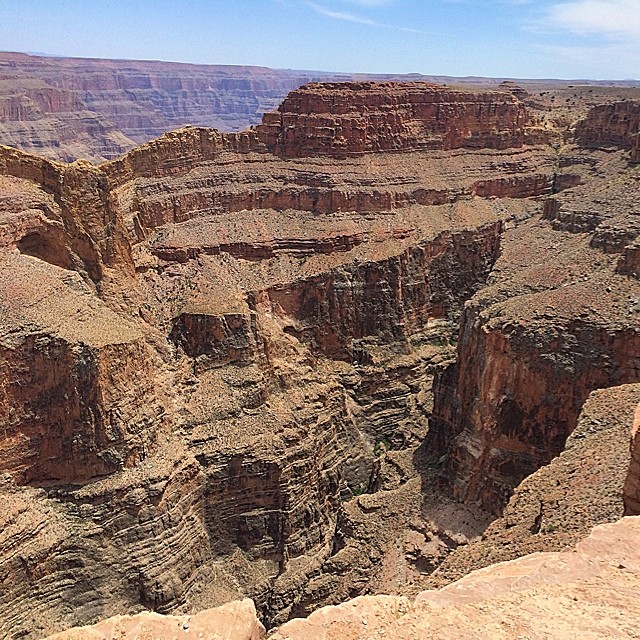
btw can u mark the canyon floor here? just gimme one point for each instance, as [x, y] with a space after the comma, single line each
[385, 338]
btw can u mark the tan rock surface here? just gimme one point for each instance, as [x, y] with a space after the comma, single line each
[233, 621]
[632, 481]
[559, 504]
[557, 321]
[589, 592]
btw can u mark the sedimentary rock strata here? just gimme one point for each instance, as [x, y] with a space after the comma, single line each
[632, 481]
[221, 352]
[555, 507]
[70, 108]
[616, 124]
[348, 119]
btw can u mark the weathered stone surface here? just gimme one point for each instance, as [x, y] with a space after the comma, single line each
[558, 505]
[351, 118]
[233, 621]
[192, 345]
[556, 322]
[589, 590]
[71, 108]
[616, 124]
[252, 341]
[632, 482]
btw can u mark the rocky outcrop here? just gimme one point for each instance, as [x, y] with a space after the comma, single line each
[612, 125]
[71, 108]
[559, 504]
[547, 595]
[535, 382]
[387, 300]
[629, 263]
[207, 351]
[346, 119]
[589, 588]
[233, 621]
[81, 208]
[632, 482]
[218, 361]
[554, 324]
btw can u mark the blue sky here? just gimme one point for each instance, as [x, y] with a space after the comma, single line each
[513, 38]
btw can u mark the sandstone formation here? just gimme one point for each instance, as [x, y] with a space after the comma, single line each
[68, 108]
[236, 365]
[558, 320]
[588, 592]
[71, 108]
[349, 119]
[616, 124]
[233, 621]
[555, 507]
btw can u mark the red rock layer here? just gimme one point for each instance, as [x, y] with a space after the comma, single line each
[351, 118]
[616, 124]
[69, 108]
[515, 397]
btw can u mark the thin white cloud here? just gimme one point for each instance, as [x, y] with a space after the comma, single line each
[342, 15]
[370, 3]
[351, 17]
[613, 18]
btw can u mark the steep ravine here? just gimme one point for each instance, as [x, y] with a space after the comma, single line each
[558, 319]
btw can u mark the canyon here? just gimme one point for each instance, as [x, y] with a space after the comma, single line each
[383, 338]
[97, 109]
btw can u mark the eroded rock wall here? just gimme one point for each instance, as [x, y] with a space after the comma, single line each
[224, 349]
[346, 119]
[616, 124]
[556, 322]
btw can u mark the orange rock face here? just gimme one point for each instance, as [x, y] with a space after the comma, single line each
[544, 595]
[632, 483]
[556, 322]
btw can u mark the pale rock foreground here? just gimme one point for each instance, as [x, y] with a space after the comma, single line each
[590, 592]
[232, 621]
[587, 593]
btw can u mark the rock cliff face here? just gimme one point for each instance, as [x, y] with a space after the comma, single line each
[632, 482]
[545, 595]
[556, 322]
[616, 124]
[347, 119]
[218, 352]
[557, 506]
[70, 108]
[207, 349]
